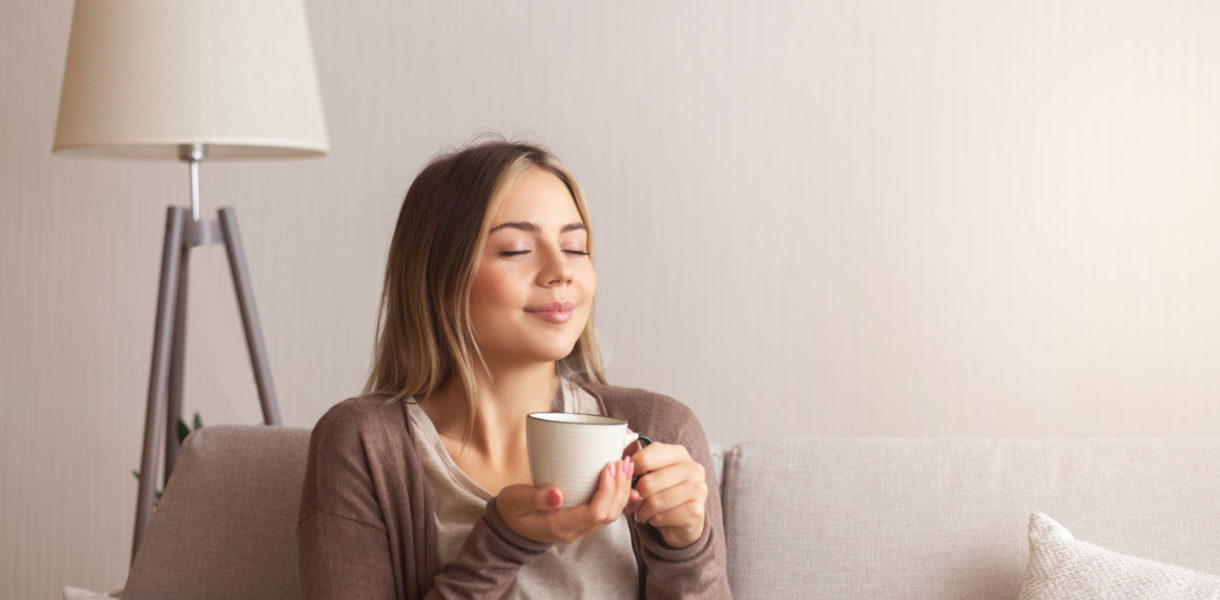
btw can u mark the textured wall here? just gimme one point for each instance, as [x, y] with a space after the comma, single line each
[813, 218]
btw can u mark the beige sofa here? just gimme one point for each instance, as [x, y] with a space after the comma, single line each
[910, 519]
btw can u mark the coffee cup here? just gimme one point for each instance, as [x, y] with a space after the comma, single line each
[569, 451]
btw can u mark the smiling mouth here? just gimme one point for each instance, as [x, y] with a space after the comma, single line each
[553, 312]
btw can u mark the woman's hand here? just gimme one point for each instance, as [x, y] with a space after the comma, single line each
[534, 512]
[671, 494]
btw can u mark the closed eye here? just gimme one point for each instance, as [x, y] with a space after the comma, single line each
[577, 252]
[514, 252]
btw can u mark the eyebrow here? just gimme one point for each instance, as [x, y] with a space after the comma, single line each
[534, 228]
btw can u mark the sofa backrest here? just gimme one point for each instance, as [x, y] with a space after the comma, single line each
[943, 519]
[910, 519]
[226, 524]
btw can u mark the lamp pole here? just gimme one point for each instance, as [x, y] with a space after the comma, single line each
[182, 234]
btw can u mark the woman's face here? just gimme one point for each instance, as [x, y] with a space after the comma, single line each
[534, 283]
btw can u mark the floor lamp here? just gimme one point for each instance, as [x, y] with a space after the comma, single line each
[192, 80]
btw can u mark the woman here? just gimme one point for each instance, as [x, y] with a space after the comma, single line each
[419, 488]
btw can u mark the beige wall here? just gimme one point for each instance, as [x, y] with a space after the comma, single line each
[813, 218]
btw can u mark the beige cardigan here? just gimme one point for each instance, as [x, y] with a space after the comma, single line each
[366, 526]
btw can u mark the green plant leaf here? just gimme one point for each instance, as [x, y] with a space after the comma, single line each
[183, 432]
[158, 492]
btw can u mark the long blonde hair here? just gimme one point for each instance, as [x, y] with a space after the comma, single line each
[424, 333]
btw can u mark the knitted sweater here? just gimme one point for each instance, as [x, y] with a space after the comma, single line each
[367, 530]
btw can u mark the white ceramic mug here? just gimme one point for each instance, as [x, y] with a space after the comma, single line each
[569, 451]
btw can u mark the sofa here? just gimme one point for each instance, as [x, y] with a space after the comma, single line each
[911, 519]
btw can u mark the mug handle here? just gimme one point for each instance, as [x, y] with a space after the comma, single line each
[644, 440]
[634, 437]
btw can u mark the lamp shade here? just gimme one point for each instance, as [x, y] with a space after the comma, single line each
[144, 77]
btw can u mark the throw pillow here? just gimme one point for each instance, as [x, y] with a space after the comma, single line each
[1064, 568]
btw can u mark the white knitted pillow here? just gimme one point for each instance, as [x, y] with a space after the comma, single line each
[1063, 568]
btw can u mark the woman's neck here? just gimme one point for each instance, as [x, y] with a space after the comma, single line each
[503, 401]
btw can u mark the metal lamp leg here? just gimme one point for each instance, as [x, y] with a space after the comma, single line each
[166, 309]
[249, 316]
[182, 233]
[177, 358]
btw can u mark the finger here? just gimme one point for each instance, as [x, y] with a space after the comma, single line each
[670, 498]
[521, 499]
[623, 487]
[551, 498]
[667, 477]
[565, 525]
[683, 516]
[658, 456]
[633, 498]
[603, 502]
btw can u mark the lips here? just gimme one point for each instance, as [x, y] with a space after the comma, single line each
[552, 312]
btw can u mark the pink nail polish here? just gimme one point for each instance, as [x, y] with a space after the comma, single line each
[613, 468]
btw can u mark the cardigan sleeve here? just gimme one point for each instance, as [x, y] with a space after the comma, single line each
[698, 570]
[343, 547]
[355, 504]
[342, 558]
[488, 563]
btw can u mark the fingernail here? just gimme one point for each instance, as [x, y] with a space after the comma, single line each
[556, 498]
[630, 468]
[613, 469]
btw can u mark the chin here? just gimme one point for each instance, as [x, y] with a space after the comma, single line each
[560, 354]
[553, 353]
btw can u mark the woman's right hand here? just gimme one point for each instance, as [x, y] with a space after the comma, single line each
[534, 512]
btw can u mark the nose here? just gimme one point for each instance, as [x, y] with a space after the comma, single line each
[556, 270]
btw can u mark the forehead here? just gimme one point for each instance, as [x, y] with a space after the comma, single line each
[537, 196]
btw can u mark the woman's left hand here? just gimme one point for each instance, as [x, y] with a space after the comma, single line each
[671, 494]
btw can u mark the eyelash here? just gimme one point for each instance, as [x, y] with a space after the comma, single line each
[509, 253]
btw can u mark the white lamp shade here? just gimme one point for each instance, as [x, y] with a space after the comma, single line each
[144, 77]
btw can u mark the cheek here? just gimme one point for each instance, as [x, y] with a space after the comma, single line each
[590, 280]
[493, 289]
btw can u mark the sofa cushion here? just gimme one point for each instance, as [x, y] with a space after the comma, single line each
[939, 519]
[226, 525]
[1064, 568]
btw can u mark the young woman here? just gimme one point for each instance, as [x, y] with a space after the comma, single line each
[420, 488]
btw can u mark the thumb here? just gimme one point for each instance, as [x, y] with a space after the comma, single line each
[548, 498]
[523, 499]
